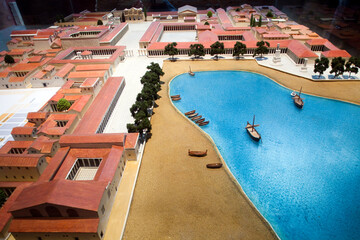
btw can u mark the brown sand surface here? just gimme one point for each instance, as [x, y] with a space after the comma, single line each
[176, 196]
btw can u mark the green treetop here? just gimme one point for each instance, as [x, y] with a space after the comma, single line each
[197, 50]
[321, 65]
[63, 105]
[99, 22]
[171, 50]
[217, 48]
[209, 14]
[269, 14]
[9, 59]
[239, 48]
[262, 48]
[337, 66]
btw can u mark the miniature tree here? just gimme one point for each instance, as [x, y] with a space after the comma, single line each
[262, 48]
[99, 22]
[251, 20]
[237, 10]
[352, 65]
[131, 128]
[217, 48]
[209, 14]
[145, 13]
[155, 67]
[239, 48]
[171, 50]
[144, 124]
[260, 21]
[321, 65]
[197, 50]
[9, 59]
[269, 14]
[206, 23]
[337, 66]
[63, 105]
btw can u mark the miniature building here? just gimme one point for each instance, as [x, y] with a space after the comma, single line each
[133, 14]
[75, 193]
[187, 11]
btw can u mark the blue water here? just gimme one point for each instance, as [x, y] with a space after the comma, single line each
[304, 176]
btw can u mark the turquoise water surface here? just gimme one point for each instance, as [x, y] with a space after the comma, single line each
[304, 175]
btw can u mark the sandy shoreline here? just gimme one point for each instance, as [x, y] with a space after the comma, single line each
[176, 197]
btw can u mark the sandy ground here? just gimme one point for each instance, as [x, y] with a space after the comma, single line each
[176, 196]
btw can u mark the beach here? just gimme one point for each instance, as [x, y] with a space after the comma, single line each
[176, 196]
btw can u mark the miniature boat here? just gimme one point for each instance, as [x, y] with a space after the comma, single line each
[298, 101]
[201, 120]
[252, 131]
[192, 115]
[197, 153]
[175, 96]
[196, 118]
[214, 165]
[204, 123]
[190, 72]
[176, 99]
[191, 112]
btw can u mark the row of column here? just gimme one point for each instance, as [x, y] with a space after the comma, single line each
[317, 48]
[103, 51]
[20, 74]
[179, 27]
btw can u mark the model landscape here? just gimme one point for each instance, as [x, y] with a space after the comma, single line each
[70, 169]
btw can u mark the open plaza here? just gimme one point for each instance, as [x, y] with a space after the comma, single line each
[79, 173]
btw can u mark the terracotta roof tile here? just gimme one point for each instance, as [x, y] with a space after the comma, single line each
[89, 225]
[131, 140]
[92, 67]
[15, 144]
[93, 117]
[89, 82]
[65, 70]
[21, 160]
[88, 74]
[22, 131]
[16, 79]
[336, 53]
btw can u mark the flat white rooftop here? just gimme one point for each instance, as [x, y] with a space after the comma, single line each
[178, 36]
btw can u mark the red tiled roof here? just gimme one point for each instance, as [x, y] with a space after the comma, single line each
[15, 144]
[49, 127]
[16, 79]
[104, 140]
[131, 140]
[65, 70]
[24, 32]
[35, 59]
[318, 41]
[89, 74]
[22, 131]
[80, 103]
[208, 36]
[5, 215]
[89, 82]
[21, 160]
[43, 144]
[93, 117]
[108, 37]
[88, 225]
[92, 67]
[336, 53]
[300, 50]
[37, 115]
[76, 194]
[148, 35]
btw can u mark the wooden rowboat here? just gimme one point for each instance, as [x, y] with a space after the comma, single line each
[191, 112]
[176, 99]
[192, 115]
[196, 118]
[175, 96]
[204, 123]
[201, 120]
[214, 165]
[298, 101]
[252, 131]
[197, 153]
